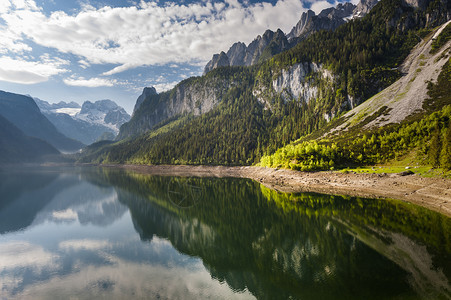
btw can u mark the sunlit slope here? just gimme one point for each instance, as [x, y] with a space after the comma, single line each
[407, 95]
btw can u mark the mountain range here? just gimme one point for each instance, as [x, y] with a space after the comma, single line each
[272, 43]
[88, 123]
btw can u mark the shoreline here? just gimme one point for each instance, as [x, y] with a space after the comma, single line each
[431, 193]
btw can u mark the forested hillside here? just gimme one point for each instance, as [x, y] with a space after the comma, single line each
[263, 108]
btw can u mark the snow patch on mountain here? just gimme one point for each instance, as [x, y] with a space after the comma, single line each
[67, 110]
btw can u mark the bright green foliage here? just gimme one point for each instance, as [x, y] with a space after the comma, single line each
[434, 148]
[445, 154]
[371, 148]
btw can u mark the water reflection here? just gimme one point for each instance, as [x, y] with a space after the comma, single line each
[110, 233]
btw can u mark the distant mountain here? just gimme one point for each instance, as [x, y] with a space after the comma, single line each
[16, 147]
[44, 105]
[272, 43]
[87, 123]
[23, 112]
[104, 112]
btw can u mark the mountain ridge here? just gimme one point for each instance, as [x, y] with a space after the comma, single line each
[15, 146]
[270, 43]
[23, 112]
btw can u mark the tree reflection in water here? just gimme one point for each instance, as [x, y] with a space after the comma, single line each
[280, 245]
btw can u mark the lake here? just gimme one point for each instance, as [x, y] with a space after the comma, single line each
[93, 233]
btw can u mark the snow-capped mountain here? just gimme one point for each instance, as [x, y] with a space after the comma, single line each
[103, 112]
[87, 123]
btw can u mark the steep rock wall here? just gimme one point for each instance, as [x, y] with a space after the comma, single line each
[195, 96]
[294, 83]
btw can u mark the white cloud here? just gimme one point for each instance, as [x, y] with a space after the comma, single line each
[17, 254]
[30, 72]
[84, 244]
[4, 6]
[65, 215]
[92, 82]
[84, 64]
[148, 34]
[24, 4]
[120, 68]
[318, 6]
[164, 86]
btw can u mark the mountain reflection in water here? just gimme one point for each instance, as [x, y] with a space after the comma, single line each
[96, 232]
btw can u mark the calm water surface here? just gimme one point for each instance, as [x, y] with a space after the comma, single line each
[103, 233]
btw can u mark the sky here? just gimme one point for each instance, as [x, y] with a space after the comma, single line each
[59, 50]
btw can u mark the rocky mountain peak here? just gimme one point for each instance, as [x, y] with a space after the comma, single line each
[103, 112]
[301, 25]
[364, 7]
[218, 60]
[100, 105]
[236, 54]
[241, 55]
[147, 92]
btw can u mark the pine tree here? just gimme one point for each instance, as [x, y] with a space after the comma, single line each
[434, 148]
[445, 154]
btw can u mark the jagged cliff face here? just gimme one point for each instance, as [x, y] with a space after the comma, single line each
[364, 7]
[219, 60]
[294, 83]
[328, 19]
[240, 55]
[195, 96]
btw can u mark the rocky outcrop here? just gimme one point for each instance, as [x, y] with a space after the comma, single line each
[364, 7]
[302, 26]
[293, 83]
[218, 60]
[236, 54]
[147, 92]
[194, 96]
